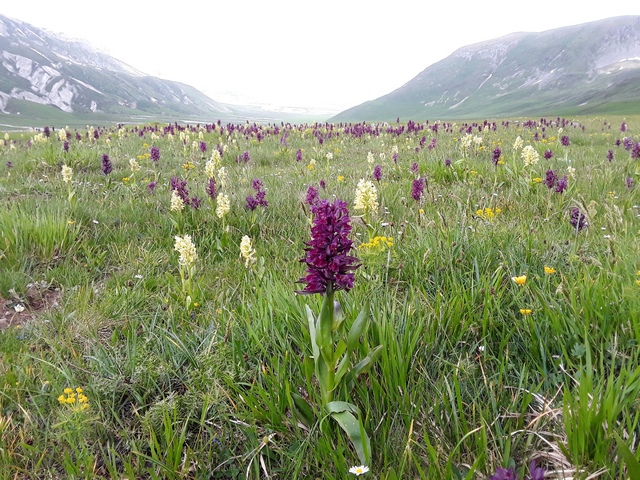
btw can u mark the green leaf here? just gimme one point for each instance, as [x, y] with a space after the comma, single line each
[343, 367]
[302, 410]
[358, 328]
[367, 362]
[338, 406]
[342, 412]
[633, 466]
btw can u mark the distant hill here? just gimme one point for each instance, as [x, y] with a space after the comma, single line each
[589, 68]
[71, 76]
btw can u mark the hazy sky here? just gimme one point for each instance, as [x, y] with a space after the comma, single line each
[330, 54]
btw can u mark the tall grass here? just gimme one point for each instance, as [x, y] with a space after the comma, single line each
[477, 371]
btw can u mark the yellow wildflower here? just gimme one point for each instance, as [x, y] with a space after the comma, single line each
[520, 281]
[525, 311]
[549, 270]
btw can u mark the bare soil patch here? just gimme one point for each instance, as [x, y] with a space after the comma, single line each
[19, 309]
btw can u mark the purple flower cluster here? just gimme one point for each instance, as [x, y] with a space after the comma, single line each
[211, 189]
[312, 196]
[107, 167]
[635, 150]
[610, 156]
[203, 147]
[447, 162]
[259, 199]
[578, 219]
[565, 141]
[417, 189]
[65, 146]
[299, 155]
[548, 154]
[155, 154]
[377, 173]
[244, 157]
[151, 186]
[630, 183]
[552, 181]
[535, 473]
[415, 168]
[495, 156]
[329, 265]
[180, 187]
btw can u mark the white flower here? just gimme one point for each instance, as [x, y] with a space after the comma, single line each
[177, 204]
[62, 135]
[571, 172]
[359, 470]
[187, 250]
[329, 156]
[247, 251]
[18, 308]
[223, 205]
[370, 158]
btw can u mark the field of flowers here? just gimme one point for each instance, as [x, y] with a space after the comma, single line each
[409, 300]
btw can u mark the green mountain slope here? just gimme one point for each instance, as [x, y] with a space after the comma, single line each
[589, 68]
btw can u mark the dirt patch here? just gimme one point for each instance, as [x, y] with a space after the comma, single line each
[19, 309]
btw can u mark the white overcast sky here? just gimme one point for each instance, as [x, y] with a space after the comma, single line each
[329, 55]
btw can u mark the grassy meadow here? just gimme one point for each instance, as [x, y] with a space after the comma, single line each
[151, 326]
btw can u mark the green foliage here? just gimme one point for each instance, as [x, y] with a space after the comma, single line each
[476, 371]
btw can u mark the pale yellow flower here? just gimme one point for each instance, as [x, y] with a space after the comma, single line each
[187, 250]
[177, 204]
[247, 252]
[529, 155]
[366, 196]
[135, 166]
[223, 177]
[520, 281]
[67, 173]
[549, 270]
[223, 205]
[517, 145]
[370, 158]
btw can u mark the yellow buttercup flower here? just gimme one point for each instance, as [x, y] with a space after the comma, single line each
[525, 311]
[520, 281]
[549, 270]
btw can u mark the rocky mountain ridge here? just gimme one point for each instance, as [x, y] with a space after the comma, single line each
[49, 69]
